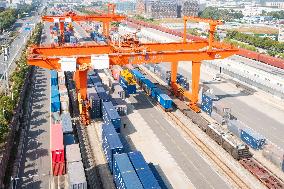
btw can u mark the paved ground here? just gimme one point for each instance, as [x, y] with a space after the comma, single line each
[36, 156]
[176, 160]
[261, 113]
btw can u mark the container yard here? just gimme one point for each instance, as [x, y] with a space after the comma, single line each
[111, 101]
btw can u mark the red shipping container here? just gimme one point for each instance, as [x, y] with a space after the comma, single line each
[58, 168]
[57, 147]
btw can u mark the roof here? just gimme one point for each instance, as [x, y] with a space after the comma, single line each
[56, 137]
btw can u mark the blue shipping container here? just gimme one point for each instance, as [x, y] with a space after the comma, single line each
[124, 173]
[253, 139]
[95, 110]
[111, 143]
[66, 123]
[54, 91]
[129, 89]
[143, 171]
[55, 104]
[69, 139]
[53, 77]
[165, 101]
[110, 115]
[206, 104]
[102, 94]
[138, 75]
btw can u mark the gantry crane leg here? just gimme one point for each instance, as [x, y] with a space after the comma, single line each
[61, 29]
[174, 69]
[106, 29]
[195, 86]
[81, 86]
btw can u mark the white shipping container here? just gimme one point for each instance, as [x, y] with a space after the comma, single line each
[274, 154]
[76, 175]
[73, 153]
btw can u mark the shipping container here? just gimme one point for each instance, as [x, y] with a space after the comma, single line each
[235, 126]
[58, 168]
[102, 94]
[124, 173]
[95, 106]
[73, 153]
[53, 78]
[66, 123]
[55, 117]
[76, 175]
[111, 143]
[117, 89]
[137, 75]
[110, 115]
[61, 78]
[143, 171]
[253, 139]
[274, 154]
[116, 69]
[165, 101]
[119, 104]
[69, 139]
[148, 86]
[128, 88]
[57, 147]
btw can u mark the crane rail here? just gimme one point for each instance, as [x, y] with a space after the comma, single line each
[226, 169]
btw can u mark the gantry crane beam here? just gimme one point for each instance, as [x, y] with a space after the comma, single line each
[106, 19]
[105, 49]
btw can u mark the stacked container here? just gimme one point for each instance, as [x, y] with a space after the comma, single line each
[53, 77]
[253, 139]
[64, 98]
[57, 150]
[95, 102]
[116, 69]
[104, 97]
[119, 104]
[75, 169]
[124, 173]
[117, 89]
[55, 100]
[110, 115]
[111, 143]
[143, 171]
[66, 123]
[129, 88]
[61, 78]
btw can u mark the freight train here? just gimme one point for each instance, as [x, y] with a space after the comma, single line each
[277, 62]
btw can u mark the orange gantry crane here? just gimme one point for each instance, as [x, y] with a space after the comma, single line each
[106, 19]
[131, 51]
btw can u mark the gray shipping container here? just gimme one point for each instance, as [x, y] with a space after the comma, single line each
[235, 127]
[274, 154]
[66, 123]
[73, 153]
[76, 175]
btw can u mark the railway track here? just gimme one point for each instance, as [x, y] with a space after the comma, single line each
[238, 181]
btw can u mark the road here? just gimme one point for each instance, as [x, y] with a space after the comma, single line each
[255, 111]
[36, 158]
[16, 46]
[197, 169]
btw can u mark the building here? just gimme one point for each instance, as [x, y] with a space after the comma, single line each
[190, 8]
[140, 7]
[276, 4]
[162, 9]
[125, 6]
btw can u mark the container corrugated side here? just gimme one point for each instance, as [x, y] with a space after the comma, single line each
[69, 139]
[165, 101]
[73, 153]
[76, 175]
[110, 115]
[57, 147]
[143, 171]
[111, 143]
[66, 123]
[124, 173]
[254, 140]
